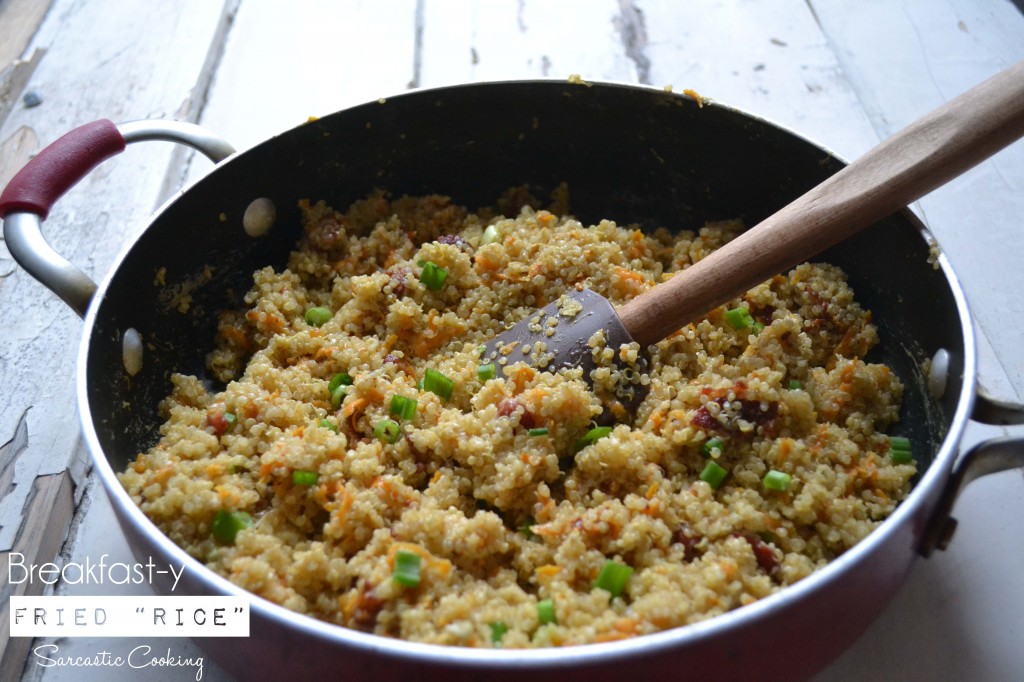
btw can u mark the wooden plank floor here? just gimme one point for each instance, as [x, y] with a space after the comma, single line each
[843, 72]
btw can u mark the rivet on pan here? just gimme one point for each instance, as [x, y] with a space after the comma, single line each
[131, 351]
[946, 534]
[938, 373]
[259, 217]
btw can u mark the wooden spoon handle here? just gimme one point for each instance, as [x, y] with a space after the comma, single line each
[926, 154]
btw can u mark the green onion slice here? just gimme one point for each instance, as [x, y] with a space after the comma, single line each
[319, 316]
[713, 474]
[795, 385]
[339, 379]
[402, 407]
[230, 419]
[300, 477]
[328, 424]
[407, 568]
[777, 480]
[739, 318]
[226, 525]
[546, 611]
[387, 430]
[899, 450]
[338, 394]
[486, 372]
[712, 444]
[613, 577]
[498, 631]
[540, 431]
[437, 383]
[433, 276]
[592, 436]
[491, 235]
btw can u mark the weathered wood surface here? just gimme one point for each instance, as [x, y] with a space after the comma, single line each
[816, 66]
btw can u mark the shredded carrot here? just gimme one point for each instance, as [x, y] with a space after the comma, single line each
[785, 448]
[522, 376]
[353, 409]
[547, 572]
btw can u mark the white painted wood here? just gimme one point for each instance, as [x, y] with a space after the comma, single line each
[103, 60]
[482, 40]
[933, 51]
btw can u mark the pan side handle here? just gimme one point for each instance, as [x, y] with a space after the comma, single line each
[987, 457]
[28, 198]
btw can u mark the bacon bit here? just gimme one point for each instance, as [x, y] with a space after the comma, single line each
[767, 557]
[453, 240]
[508, 407]
[327, 234]
[750, 410]
[401, 362]
[366, 607]
[689, 539]
[216, 420]
[398, 277]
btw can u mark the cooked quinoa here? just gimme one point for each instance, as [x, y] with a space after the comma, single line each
[497, 515]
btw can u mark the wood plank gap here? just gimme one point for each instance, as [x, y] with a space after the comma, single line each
[47, 518]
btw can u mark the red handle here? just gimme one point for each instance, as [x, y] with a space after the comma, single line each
[59, 167]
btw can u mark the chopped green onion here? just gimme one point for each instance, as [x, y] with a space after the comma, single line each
[757, 328]
[338, 394]
[486, 372]
[712, 444]
[777, 480]
[541, 431]
[713, 474]
[387, 430]
[482, 350]
[230, 419]
[226, 525]
[546, 611]
[300, 477]
[404, 408]
[498, 631]
[433, 276]
[795, 385]
[613, 577]
[592, 436]
[407, 568]
[739, 318]
[899, 450]
[319, 316]
[328, 424]
[437, 383]
[527, 529]
[339, 379]
[491, 235]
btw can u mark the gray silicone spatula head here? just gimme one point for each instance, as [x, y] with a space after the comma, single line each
[579, 330]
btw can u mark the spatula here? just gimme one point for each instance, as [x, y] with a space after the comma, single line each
[926, 154]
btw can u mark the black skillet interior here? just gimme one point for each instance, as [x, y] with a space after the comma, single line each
[634, 155]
